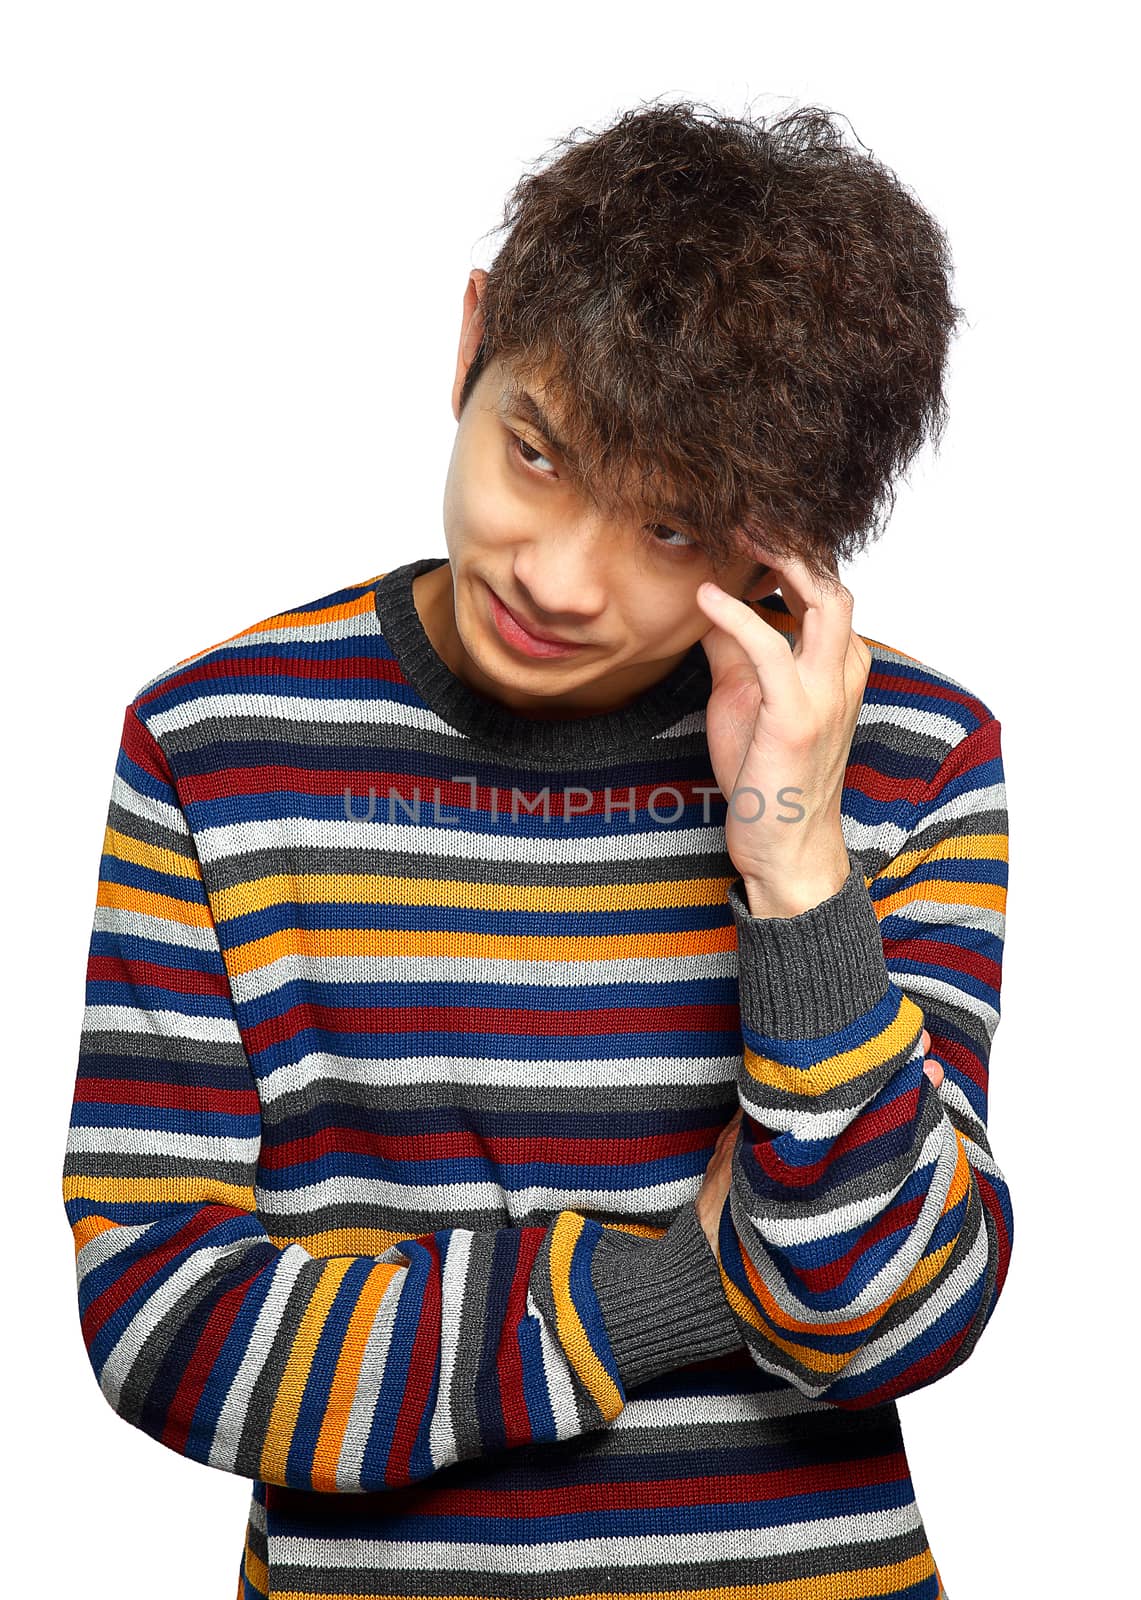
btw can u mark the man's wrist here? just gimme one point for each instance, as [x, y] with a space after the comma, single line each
[783, 899]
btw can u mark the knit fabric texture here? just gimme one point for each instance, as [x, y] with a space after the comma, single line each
[412, 1023]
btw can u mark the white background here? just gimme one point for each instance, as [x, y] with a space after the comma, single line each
[236, 239]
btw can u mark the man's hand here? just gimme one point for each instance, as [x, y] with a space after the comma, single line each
[710, 1200]
[783, 720]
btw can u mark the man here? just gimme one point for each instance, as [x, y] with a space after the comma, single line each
[503, 1129]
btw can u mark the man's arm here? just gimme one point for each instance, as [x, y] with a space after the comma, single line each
[867, 1231]
[343, 1373]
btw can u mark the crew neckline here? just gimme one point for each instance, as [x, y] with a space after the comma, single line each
[685, 688]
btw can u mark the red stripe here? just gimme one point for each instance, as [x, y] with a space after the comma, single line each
[229, 676]
[142, 1269]
[141, 746]
[178, 980]
[503, 1151]
[427, 1345]
[518, 1428]
[893, 680]
[945, 958]
[194, 1097]
[354, 1021]
[897, 1113]
[222, 783]
[200, 1367]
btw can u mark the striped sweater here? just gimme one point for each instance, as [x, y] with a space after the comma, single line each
[411, 1026]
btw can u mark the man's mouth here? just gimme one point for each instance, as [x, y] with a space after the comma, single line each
[516, 631]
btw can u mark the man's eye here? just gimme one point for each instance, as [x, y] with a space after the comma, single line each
[660, 527]
[533, 455]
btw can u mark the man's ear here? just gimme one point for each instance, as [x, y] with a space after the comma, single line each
[471, 333]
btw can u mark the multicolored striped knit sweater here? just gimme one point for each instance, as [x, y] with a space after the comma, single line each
[392, 1108]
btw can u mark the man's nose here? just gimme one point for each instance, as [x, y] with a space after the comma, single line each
[567, 577]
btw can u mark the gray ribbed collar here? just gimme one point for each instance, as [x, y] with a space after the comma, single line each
[489, 722]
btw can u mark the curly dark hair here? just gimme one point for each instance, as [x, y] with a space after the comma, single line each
[753, 320]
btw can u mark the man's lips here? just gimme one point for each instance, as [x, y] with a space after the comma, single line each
[529, 627]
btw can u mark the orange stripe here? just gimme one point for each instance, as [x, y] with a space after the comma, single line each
[124, 897]
[292, 619]
[380, 942]
[350, 1361]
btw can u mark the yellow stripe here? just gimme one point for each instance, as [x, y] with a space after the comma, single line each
[846, 1065]
[88, 1227]
[193, 1190]
[375, 1241]
[952, 892]
[125, 848]
[259, 894]
[287, 1401]
[569, 1330]
[960, 846]
[257, 1572]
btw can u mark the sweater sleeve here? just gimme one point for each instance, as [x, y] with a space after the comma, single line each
[867, 1230]
[343, 1373]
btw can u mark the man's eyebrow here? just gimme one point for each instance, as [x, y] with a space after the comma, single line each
[520, 402]
[517, 401]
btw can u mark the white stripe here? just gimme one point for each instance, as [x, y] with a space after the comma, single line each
[108, 1244]
[140, 925]
[451, 843]
[889, 838]
[934, 725]
[163, 1024]
[154, 1142]
[678, 1412]
[490, 1072]
[968, 803]
[556, 1375]
[143, 805]
[941, 1294]
[373, 1363]
[316, 709]
[916, 985]
[489, 1197]
[200, 1264]
[950, 1091]
[954, 913]
[656, 1551]
[468, 970]
[788, 1227]
[443, 1443]
[231, 1419]
[788, 1230]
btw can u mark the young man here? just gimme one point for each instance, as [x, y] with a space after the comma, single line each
[505, 1130]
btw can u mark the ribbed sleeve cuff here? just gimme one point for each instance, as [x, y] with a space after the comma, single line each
[804, 976]
[662, 1301]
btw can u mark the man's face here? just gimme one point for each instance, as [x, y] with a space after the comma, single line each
[521, 535]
